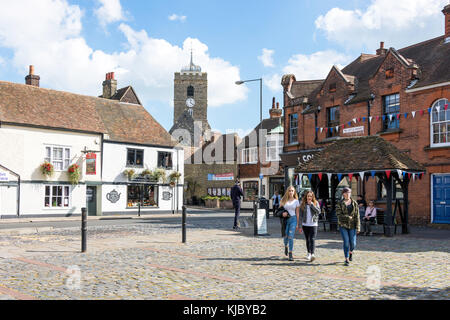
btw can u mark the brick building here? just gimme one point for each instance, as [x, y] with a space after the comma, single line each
[400, 95]
[259, 154]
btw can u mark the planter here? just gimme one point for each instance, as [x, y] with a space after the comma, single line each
[212, 203]
[226, 204]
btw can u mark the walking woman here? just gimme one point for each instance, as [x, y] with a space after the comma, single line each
[291, 205]
[348, 220]
[309, 217]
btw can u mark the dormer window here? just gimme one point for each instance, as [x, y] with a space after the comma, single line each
[332, 87]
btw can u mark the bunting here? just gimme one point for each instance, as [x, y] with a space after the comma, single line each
[378, 118]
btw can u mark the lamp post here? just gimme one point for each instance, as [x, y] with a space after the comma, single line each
[260, 120]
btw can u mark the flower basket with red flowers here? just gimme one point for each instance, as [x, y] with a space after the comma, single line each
[74, 173]
[47, 169]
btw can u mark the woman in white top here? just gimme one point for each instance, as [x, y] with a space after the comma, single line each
[291, 205]
[309, 217]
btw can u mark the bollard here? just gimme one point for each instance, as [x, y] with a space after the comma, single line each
[83, 229]
[183, 225]
[255, 214]
[139, 209]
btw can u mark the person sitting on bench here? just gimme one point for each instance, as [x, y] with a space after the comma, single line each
[369, 218]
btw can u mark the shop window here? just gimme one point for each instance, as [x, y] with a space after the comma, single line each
[440, 123]
[274, 146]
[147, 195]
[59, 157]
[57, 197]
[391, 107]
[135, 157]
[164, 160]
[250, 190]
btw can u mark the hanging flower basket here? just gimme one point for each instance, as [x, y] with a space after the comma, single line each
[159, 175]
[74, 173]
[174, 177]
[129, 173]
[47, 169]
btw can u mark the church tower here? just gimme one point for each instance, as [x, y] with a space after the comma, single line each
[190, 99]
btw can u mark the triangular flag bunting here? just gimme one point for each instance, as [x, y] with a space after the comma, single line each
[372, 173]
[317, 129]
[429, 110]
[363, 119]
[329, 177]
[349, 123]
[331, 130]
[409, 175]
[404, 174]
[378, 118]
[390, 117]
[320, 176]
[413, 113]
[446, 106]
[384, 118]
[370, 119]
[300, 175]
[421, 112]
[350, 175]
[398, 116]
[406, 115]
[321, 129]
[438, 108]
[339, 176]
[361, 174]
[399, 172]
[309, 176]
[414, 177]
[326, 129]
[337, 128]
[354, 120]
[388, 173]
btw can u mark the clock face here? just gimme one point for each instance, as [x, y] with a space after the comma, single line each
[190, 102]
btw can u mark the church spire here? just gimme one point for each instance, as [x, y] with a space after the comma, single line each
[192, 67]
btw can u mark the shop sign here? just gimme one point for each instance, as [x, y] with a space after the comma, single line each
[4, 177]
[220, 177]
[354, 129]
[91, 163]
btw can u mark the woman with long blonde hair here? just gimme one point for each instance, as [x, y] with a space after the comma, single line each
[291, 206]
[309, 217]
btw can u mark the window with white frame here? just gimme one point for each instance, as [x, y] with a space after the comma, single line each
[58, 156]
[440, 123]
[250, 155]
[57, 196]
[274, 146]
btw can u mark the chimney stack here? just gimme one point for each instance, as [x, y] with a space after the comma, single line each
[446, 12]
[275, 112]
[32, 79]
[109, 86]
[381, 50]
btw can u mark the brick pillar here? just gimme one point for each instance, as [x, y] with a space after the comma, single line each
[32, 79]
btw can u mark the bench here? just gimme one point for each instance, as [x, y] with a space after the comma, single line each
[330, 219]
[379, 221]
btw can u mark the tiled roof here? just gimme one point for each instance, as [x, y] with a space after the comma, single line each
[36, 106]
[348, 155]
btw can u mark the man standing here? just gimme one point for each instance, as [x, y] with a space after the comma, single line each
[236, 194]
[276, 199]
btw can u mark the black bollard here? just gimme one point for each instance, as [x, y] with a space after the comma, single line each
[83, 229]
[183, 225]
[255, 214]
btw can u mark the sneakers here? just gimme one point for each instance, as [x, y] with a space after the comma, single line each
[308, 257]
[236, 228]
[350, 257]
[346, 263]
[285, 251]
[313, 257]
[290, 257]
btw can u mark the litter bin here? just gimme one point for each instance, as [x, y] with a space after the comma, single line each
[264, 204]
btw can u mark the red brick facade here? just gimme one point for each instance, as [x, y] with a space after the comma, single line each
[380, 75]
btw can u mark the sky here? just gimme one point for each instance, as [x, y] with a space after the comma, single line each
[73, 44]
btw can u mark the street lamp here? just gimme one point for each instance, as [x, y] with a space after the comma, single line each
[260, 122]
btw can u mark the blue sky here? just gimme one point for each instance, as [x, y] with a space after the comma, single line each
[73, 44]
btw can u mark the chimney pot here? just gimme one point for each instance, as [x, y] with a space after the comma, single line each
[278, 105]
[273, 102]
[446, 12]
[109, 86]
[32, 79]
[381, 45]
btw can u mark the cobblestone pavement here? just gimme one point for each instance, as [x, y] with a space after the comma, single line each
[148, 261]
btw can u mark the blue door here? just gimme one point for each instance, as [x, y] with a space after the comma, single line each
[441, 198]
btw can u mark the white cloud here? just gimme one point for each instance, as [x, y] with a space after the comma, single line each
[267, 57]
[399, 23]
[175, 17]
[65, 61]
[273, 82]
[109, 11]
[316, 65]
